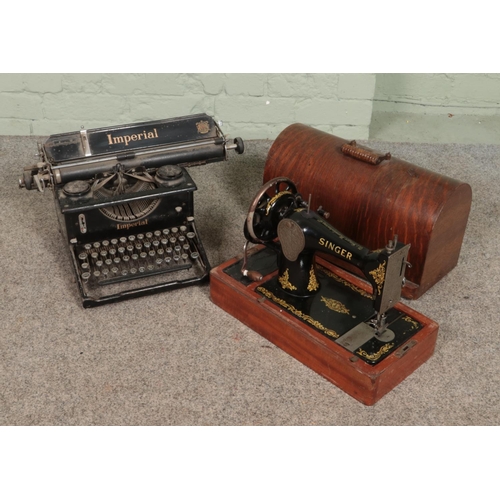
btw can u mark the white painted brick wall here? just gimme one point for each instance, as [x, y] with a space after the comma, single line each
[253, 106]
[438, 93]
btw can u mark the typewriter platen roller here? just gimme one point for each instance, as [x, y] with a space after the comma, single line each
[124, 199]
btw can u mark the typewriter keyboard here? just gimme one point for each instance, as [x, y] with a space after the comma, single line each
[136, 255]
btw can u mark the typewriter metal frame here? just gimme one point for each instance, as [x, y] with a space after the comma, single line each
[120, 187]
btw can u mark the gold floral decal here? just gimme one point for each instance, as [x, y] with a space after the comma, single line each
[335, 305]
[346, 283]
[411, 320]
[299, 314]
[285, 281]
[379, 276]
[376, 355]
[313, 282]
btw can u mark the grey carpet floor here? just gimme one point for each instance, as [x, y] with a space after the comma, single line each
[177, 359]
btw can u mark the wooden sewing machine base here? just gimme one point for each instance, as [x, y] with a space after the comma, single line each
[311, 329]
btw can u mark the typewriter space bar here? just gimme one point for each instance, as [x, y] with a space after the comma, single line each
[144, 274]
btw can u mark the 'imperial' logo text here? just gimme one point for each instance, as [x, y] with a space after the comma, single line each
[125, 139]
[132, 224]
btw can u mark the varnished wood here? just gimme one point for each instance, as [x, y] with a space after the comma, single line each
[371, 203]
[362, 381]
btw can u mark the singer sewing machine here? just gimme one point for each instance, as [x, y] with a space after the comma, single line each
[124, 200]
[354, 332]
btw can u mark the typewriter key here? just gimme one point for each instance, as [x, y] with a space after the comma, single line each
[160, 251]
[131, 237]
[97, 245]
[147, 245]
[143, 255]
[82, 256]
[166, 232]
[177, 249]
[142, 269]
[130, 248]
[181, 239]
[105, 243]
[157, 234]
[195, 255]
[133, 270]
[88, 246]
[152, 253]
[97, 273]
[126, 258]
[85, 265]
[94, 255]
[156, 243]
[159, 262]
[173, 240]
[140, 236]
[164, 242]
[184, 257]
[114, 241]
[168, 260]
[183, 229]
[103, 253]
[176, 258]
[108, 262]
[123, 239]
[117, 260]
[190, 235]
[149, 235]
[99, 263]
[190, 218]
[85, 276]
[175, 230]
[124, 272]
[114, 270]
[135, 256]
[150, 267]
[105, 271]
[121, 250]
[186, 247]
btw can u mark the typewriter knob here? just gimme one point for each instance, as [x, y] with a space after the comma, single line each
[238, 145]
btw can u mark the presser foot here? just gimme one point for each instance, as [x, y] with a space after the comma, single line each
[365, 331]
[382, 332]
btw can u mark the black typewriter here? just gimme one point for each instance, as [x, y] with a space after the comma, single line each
[124, 200]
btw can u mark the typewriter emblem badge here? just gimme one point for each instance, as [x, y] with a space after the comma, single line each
[203, 127]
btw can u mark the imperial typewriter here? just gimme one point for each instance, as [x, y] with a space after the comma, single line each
[124, 200]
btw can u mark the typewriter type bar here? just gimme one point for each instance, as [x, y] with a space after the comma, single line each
[124, 201]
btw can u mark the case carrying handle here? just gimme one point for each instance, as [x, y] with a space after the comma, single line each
[371, 157]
